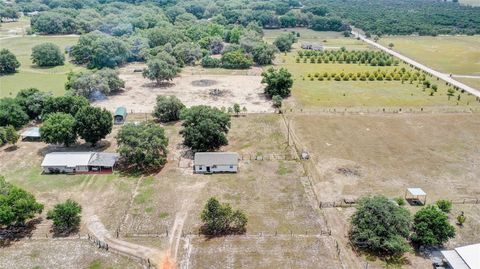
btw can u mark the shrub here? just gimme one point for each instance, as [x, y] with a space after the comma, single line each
[47, 54]
[444, 205]
[431, 227]
[65, 217]
[221, 219]
[168, 108]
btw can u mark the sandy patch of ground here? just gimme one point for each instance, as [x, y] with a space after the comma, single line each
[193, 89]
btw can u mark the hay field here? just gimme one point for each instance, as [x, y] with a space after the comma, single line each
[448, 54]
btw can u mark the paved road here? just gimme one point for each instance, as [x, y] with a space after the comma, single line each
[465, 76]
[427, 69]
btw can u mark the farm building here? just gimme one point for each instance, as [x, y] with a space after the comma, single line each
[79, 162]
[312, 46]
[466, 257]
[215, 162]
[120, 115]
[32, 133]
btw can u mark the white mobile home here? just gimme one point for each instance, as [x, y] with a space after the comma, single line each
[215, 162]
[79, 162]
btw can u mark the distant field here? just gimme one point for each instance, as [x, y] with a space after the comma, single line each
[327, 39]
[314, 94]
[29, 75]
[449, 54]
[470, 2]
[14, 28]
[472, 82]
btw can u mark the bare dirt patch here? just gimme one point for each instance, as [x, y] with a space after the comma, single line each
[193, 89]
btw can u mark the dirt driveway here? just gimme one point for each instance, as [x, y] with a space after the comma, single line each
[193, 89]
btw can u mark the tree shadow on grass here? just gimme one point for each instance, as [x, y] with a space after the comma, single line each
[161, 85]
[15, 233]
[64, 233]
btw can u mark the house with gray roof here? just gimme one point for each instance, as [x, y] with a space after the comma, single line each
[215, 162]
[79, 162]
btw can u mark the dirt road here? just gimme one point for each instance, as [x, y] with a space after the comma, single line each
[445, 77]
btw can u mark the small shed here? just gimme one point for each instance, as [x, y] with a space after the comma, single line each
[120, 115]
[32, 133]
[416, 196]
[215, 162]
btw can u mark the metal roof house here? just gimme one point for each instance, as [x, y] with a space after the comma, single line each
[466, 257]
[32, 133]
[215, 162]
[79, 162]
[120, 115]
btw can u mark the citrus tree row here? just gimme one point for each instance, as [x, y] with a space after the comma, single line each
[373, 58]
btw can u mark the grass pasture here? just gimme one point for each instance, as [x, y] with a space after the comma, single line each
[448, 54]
[14, 28]
[312, 94]
[29, 75]
[327, 39]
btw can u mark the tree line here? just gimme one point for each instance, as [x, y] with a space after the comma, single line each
[392, 17]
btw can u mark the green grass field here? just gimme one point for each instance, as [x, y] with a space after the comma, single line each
[449, 54]
[311, 94]
[472, 82]
[46, 79]
[327, 39]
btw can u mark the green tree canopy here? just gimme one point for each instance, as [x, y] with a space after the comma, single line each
[16, 204]
[279, 82]
[236, 60]
[284, 42]
[161, 67]
[65, 217]
[204, 128]
[99, 50]
[187, 53]
[32, 101]
[67, 104]
[168, 108]
[380, 226]
[142, 147]
[221, 219]
[91, 83]
[93, 124]
[264, 54]
[58, 128]
[431, 227]
[47, 54]
[8, 62]
[11, 113]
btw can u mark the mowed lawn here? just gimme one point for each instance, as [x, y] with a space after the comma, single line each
[29, 75]
[449, 54]
[309, 93]
[327, 39]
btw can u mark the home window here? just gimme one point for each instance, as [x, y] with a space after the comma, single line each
[231, 166]
[200, 167]
[214, 166]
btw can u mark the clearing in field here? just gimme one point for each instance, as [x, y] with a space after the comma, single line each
[192, 89]
[332, 40]
[50, 79]
[448, 54]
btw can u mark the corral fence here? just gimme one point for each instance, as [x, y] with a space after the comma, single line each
[383, 110]
[268, 157]
[281, 234]
[339, 203]
[470, 201]
[104, 245]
